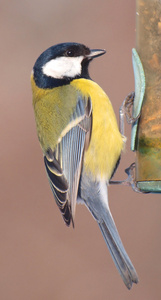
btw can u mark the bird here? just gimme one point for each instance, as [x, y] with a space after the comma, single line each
[80, 139]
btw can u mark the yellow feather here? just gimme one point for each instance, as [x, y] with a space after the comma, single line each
[106, 141]
[53, 108]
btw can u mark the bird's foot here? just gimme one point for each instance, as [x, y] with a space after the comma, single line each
[126, 111]
[130, 181]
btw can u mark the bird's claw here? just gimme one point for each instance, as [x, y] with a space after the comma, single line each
[130, 171]
[130, 181]
[127, 107]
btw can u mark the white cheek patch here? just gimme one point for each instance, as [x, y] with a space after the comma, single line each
[63, 67]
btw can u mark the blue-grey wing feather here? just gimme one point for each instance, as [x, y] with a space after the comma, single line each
[64, 164]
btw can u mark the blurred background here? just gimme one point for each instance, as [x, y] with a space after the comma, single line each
[40, 258]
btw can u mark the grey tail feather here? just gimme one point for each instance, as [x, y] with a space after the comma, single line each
[117, 251]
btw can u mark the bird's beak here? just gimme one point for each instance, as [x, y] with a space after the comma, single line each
[95, 53]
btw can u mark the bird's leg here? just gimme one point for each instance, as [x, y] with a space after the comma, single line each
[125, 111]
[130, 181]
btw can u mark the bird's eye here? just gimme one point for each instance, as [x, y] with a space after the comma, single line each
[69, 53]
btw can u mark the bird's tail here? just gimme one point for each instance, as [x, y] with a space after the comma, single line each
[95, 196]
[117, 251]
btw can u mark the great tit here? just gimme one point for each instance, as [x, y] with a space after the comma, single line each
[80, 140]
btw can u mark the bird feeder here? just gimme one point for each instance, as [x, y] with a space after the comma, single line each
[146, 130]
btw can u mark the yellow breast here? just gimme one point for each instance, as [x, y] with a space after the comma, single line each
[106, 141]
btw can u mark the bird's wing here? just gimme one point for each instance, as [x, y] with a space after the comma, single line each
[64, 165]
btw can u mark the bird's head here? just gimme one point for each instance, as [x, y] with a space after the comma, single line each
[60, 64]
